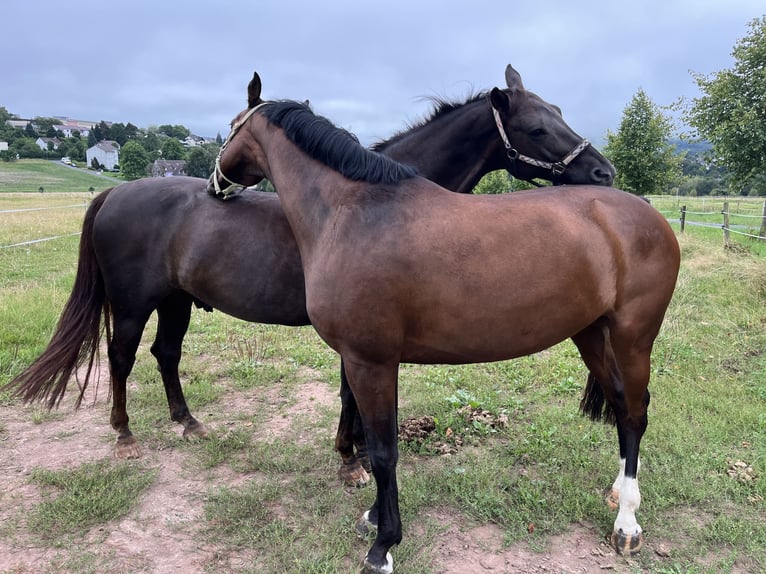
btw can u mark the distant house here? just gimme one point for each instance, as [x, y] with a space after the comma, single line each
[69, 128]
[106, 152]
[21, 124]
[3, 146]
[168, 167]
[43, 143]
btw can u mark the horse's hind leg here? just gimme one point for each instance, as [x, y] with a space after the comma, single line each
[122, 356]
[617, 391]
[172, 323]
[355, 466]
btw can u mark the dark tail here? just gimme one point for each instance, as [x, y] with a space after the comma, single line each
[593, 403]
[77, 337]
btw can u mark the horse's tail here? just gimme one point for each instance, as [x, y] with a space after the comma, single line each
[593, 403]
[77, 337]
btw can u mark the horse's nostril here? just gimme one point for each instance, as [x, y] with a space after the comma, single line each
[602, 176]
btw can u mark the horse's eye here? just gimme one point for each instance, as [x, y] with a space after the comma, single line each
[539, 132]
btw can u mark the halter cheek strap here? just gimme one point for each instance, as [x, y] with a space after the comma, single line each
[556, 168]
[218, 172]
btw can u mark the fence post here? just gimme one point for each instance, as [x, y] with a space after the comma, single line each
[725, 213]
[683, 217]
[762, 232]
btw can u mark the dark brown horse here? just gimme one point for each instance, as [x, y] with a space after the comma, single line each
[398, 269]
[154, 244]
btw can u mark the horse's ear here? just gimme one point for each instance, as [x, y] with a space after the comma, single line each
[254, 91]
[513, 78]
[499, 100]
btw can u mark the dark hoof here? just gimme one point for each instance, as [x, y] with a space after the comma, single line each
[364, 527]
[387, 568]
[627, 544]
[127, 448]
[195, 430]
[353, 474]
[613, 499]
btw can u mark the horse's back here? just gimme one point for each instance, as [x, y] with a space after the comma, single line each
[157, 236]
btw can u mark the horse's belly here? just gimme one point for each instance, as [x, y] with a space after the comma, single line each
[494, 342]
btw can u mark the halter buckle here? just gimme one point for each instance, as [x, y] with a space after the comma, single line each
[558, 168]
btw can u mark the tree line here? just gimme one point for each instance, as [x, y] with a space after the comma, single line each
[728, 118]
[722, 153]
[139, 147]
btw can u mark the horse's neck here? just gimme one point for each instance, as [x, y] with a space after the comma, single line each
[308, 191]
[454, 149]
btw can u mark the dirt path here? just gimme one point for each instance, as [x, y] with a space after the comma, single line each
[160, 535]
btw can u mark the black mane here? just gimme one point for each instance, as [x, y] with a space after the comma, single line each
[440, 108]
[333, 146]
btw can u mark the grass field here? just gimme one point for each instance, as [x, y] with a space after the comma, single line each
[264, 486]
[27, 176]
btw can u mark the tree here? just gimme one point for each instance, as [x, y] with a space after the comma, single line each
[646, 162]
[117, 133]
[732, 112]
[494, 182]
[172, 149]
[134, 160]
[201, 160]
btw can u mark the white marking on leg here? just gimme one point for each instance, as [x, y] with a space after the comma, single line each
[630, 500]
[387, 568]
[617, 484]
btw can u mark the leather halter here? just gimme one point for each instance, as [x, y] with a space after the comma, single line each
[556, 168]
[218, 172]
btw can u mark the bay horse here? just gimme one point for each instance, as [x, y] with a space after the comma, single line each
[153, 244]
[397, 269]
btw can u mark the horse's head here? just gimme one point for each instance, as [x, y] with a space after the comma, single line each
[539, 143]
[240, 163]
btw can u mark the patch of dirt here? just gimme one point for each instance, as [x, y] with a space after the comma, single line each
[162, 534]
[478, 550]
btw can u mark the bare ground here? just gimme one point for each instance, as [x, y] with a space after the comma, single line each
[161, 535]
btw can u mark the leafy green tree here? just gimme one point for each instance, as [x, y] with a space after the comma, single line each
[117, 133]
[500, 181]
[151, 141]
[732, 112]
[134, 160]
[201, 161]
[131, 132]
[173, 149]
[494, 182]
[177, 131]
[646, 162]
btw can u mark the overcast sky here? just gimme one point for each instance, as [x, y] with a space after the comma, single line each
[365, 65]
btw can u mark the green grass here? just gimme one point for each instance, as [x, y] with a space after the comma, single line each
[94, 493]
[29, 175]
[548, 467]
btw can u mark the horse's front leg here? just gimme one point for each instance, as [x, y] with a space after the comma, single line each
[350, 433]
[375, 389]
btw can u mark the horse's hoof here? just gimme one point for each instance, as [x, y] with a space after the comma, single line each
[364, 526]
[386, 568]
[613, 499]
[353, 474]
[364, 460]
[627, 544]
[195, 430]
[127, 448]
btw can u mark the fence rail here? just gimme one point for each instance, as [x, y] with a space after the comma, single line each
[83, 205]
[726, 225]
